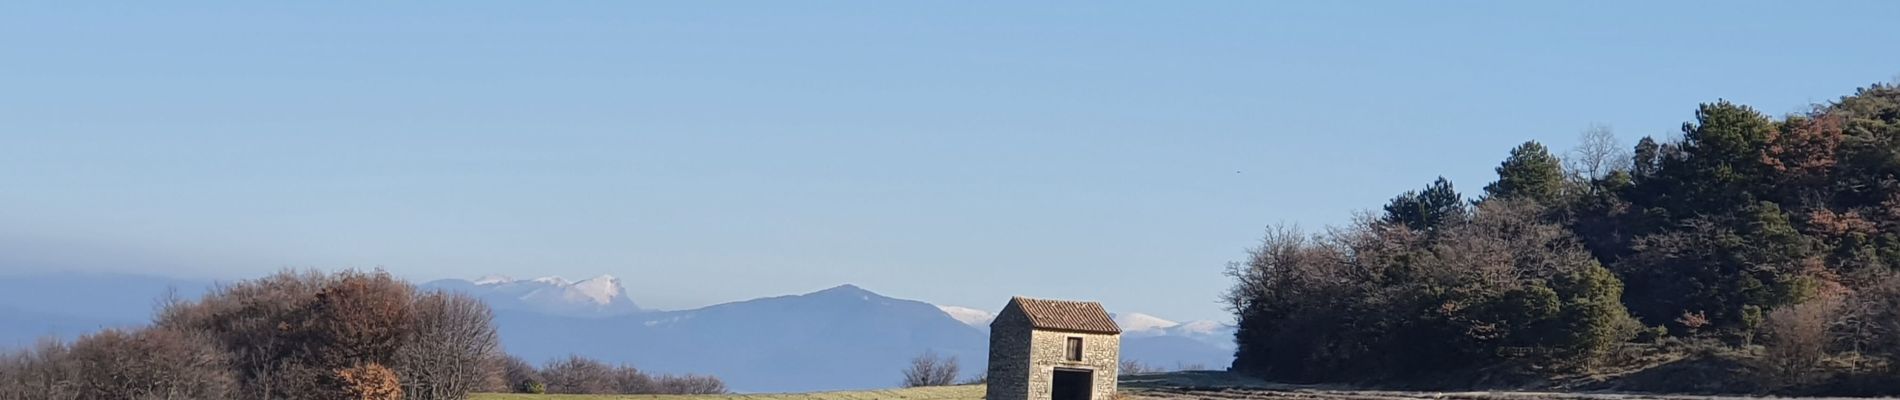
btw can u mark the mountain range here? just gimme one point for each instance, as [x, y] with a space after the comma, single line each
[841, 338]
[596, 297]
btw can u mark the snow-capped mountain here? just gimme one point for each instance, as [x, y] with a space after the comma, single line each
[1138, 324]
[595, 297]
[969, 316]
[1134, 326]
[493, 279]
[1154, 341]
[1191, 328]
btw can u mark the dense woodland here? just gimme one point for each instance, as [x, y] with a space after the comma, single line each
[1750, 254]
[312, 335]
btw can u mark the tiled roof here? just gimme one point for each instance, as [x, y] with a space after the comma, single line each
[1078, 316]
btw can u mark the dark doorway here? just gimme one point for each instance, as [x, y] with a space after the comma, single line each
[1072, 384]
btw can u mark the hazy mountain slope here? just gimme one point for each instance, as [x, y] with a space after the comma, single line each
[118, 298]
[66, 305]
[839, 338]
[21, 328]
[835, 339]
[1175, 352]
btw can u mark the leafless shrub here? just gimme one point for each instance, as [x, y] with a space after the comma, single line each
[629, 380]
[118, 364]
[929, 369]
[581, 375]
[518, 375]
[1134, 367]
[689, 384]
[1869, 323]
[1796, 340]
[578, 375]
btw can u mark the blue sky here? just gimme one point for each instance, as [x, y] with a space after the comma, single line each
[953, 152]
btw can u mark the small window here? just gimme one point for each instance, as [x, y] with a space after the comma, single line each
[1075, 349]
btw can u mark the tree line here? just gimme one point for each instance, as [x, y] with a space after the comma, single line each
[309, 335]
[581, 375]
[1771, 243]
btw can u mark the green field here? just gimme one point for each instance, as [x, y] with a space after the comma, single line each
[967, 392]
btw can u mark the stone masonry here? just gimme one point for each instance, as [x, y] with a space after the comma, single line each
[1029, 341]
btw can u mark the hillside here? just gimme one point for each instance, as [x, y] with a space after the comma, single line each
[1771, 242]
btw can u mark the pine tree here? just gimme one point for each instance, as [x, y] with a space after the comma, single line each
[1530, 172]
[1427, 210]
[1647, 158]
[1723, 168]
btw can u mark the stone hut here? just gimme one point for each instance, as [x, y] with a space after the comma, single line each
[1053, 350]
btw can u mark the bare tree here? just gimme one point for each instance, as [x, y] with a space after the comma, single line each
[517, 375]
[578, 375]
[629, 380]
[689, 384]
[42, 372]
[148, 364]
[1869, 323]
[249, 319]
[453, 348]
[1598, 153]
[1796, 339]
[929, 369]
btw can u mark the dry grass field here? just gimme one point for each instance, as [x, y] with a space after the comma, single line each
[1209, 385]
[967, 392]
[1167, 386]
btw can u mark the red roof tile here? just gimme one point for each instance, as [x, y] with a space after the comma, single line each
[1078, 316]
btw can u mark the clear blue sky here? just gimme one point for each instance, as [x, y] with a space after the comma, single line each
[953, 152]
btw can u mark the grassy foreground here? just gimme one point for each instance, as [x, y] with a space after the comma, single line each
[966, 392]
